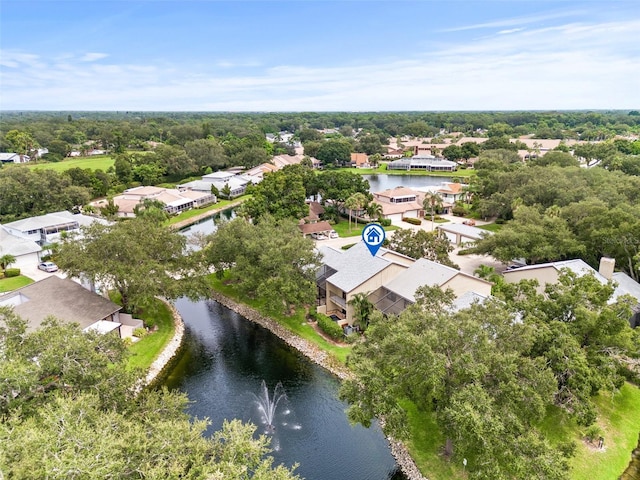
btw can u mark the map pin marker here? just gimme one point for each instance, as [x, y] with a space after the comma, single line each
[373, 236]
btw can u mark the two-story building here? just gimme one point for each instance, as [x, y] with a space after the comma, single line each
[389, 279]
[399, 202]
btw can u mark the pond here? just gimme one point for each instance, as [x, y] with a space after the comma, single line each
[378, 183]
[226, 358]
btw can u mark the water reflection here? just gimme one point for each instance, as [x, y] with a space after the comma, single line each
[225, 361]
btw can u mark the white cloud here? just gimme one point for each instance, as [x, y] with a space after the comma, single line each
[508, 22]
[93, 56]
[511, 30]
[572, 66]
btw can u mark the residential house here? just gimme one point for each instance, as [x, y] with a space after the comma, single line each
[67, 301]
[360, 160]
[396, 295]
[45, 229]
[423, 162]
[237, 184]
[548, 273]
[389, 278]
[399, 202]
[25, 251]
[174, 200]
[459, 233]
[13, 158]
[344, 274]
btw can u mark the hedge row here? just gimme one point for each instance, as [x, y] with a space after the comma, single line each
[330, 327]
[412, 221]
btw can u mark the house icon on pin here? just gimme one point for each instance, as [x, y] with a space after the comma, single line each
[373, 236]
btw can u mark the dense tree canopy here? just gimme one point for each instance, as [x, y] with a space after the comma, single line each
[270, 260]
[417, 244]
[69, 409]
[139, 258]
[281, 194]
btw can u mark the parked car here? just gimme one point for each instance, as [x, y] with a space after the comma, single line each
[321, 236]
[470, 222]
[48, 267]
[333, 234]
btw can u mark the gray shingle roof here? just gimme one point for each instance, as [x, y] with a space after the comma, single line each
[354, 267]
[422, 272]
[16, 246]
[65, 299]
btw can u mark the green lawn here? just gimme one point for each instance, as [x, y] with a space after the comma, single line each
[425, 444]
[491, 227]
[618, 417]
[12, 283]
[102, 162]
[295, 323]
[343, 229]
[145, 351]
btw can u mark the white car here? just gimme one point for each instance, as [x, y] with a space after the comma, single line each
[48, 267]
[333, 234]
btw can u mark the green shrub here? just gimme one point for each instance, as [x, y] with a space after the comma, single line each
[458, 210]
[330, 327]
[348, 246]
[412, 221]
[385, 222]
[593, 432]
[12, 272]
[353, 337]
[140, 332]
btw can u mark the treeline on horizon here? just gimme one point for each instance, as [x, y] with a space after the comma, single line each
[583, 125]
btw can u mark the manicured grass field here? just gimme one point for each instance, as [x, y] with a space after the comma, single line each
[101, 162]
[12, 283]
[296, 322]
[343, 229]
[145, 351]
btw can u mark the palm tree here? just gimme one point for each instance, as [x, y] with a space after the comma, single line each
[6, 260]
[357, 201]
[432, 202]
[362, 309]
[374, 210]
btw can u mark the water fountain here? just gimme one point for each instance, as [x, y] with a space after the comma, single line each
[267, 406]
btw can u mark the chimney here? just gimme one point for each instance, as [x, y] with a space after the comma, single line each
[607, 266]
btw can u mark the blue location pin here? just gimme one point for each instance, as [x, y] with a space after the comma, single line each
[373, 236]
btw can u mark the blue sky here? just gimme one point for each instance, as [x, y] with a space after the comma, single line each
[319, 55]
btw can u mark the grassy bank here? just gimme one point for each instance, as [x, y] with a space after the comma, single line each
[296, 323]
[196, 212]
[145, 351]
